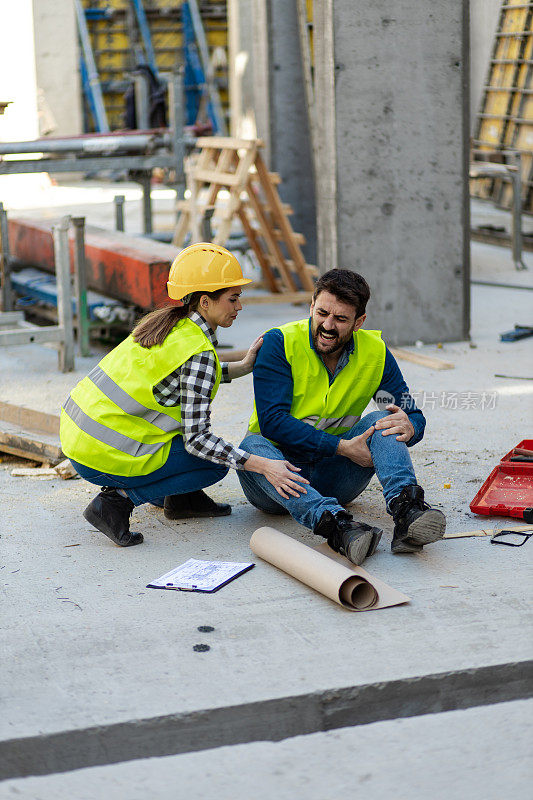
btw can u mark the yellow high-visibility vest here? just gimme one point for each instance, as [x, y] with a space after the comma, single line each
[336, 408]
[111, 421]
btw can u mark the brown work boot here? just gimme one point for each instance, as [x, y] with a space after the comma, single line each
[355, 540]
[109, 512]
[194, 504]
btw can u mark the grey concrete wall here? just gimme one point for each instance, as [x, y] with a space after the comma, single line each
[290, 147]
[268, 100]
[400, 105]
[484, 15]
[56, 64]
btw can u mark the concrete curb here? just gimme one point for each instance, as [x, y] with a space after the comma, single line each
[269, 720]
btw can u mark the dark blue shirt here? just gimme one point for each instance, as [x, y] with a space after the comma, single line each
[273, 389]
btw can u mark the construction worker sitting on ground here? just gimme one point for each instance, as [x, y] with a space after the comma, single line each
[139, 424]
[312, 381]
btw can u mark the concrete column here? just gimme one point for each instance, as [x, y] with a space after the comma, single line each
[395, 124]
[267, 93]
[57, 67]
[484, 16]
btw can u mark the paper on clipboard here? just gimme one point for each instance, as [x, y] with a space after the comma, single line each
[325, 571]
[196, 575]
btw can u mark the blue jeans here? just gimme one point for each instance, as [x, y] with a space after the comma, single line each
[181, 473]
[334, 481]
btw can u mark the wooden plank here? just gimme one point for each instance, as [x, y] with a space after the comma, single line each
[419, 358]
[29, 419]
[273, 200]
[214, 176]
[266, 233]
[227, 142]
[182, 225]
[298, 237]
[65, 470]
[487, 531]
[311, 269]
[233, 204]
[30, 446]
[285, 207]
[34, 472]
[276, 297]
[253, 239]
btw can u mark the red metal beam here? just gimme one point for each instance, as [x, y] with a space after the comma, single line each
[128, 268]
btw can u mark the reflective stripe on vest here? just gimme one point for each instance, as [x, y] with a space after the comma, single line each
[105, 435]
[128, 404]
[332, 422]
[112, 422]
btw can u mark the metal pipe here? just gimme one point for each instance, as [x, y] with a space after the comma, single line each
[96, 89]
[88, 144]
[145, 34]
[145, 179]
[142, 100]
[516, 232]
[119, 201]
[177, 122]
[7, 292]
[80, 285]
[65, 353]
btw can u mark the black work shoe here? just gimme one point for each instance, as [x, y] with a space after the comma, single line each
[194, 504]
[110, 513]
[355, 540]
[415, 522]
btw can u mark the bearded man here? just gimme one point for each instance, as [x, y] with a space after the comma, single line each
[313, 380]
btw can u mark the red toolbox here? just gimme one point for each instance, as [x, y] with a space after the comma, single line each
[509, 488]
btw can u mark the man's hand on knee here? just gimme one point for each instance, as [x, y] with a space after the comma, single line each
[397, 422]
[356, 449]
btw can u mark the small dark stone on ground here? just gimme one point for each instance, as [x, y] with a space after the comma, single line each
[201, 648]
[205, 628]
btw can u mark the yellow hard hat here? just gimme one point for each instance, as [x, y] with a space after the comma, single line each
[203, 267]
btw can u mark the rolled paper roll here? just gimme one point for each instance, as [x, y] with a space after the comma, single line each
[349, 586]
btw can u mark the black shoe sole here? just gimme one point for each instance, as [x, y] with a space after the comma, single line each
[98, 523]
[363, 547]
[429, 527]
[195, 514]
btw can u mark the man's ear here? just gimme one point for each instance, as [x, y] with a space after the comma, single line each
[204, 302]
[358, 322]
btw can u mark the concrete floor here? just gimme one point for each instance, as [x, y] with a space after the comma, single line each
[99, 669]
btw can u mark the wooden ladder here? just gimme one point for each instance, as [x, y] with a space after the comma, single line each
[251, 194]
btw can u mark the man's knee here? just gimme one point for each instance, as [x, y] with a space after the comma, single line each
[374, 416]
[255, 444]
[252, 442]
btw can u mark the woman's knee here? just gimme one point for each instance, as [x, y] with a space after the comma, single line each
[219, 472]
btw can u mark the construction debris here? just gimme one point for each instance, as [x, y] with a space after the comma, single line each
[64, 470]
[30, 434]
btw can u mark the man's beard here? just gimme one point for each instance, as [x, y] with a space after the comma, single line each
[336, 344]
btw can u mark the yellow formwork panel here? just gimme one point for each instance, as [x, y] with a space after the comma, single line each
[505, 120]
[113, 49]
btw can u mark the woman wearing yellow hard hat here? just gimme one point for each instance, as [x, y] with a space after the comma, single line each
[139, 424]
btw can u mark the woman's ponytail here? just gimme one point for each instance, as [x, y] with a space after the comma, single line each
[154, 327]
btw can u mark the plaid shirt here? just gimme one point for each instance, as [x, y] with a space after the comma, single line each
[190, 387]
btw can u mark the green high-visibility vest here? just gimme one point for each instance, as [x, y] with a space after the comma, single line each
[111, 421]
[336, 408]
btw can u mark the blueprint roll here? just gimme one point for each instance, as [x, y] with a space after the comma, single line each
[324, 571]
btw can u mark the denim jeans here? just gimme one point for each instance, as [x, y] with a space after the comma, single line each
[334, 481]
[181, 473]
